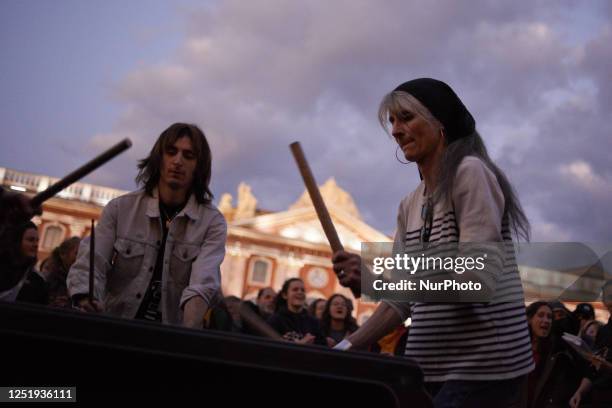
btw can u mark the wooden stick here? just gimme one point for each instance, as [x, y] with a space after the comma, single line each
[315, 196]
[256, 323]
[92, 257]
[81, 172]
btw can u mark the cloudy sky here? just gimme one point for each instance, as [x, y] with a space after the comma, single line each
[257, 75]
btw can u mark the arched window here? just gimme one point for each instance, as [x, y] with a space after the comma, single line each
[53, 235]
[260, 272]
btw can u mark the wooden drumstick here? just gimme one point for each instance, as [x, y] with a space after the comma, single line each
[321, 208]
[315, 196]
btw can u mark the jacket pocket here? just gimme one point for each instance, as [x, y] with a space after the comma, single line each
[183, 256]
[128, 259]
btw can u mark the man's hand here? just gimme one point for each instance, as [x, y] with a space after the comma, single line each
[90, 306]
[347, 267]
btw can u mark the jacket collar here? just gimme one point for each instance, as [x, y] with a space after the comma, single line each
[190, 210]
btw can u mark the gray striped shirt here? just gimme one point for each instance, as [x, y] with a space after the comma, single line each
[467, 341]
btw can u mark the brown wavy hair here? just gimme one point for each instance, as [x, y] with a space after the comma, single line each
[350, 324]
[149, 168]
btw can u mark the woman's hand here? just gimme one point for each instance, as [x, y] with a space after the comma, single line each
[347, 267]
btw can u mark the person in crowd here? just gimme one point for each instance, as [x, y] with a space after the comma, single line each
[559, 310]
[225, 316]
[596, 387]
[589, 331]
[158, 249]
[291, 319]
[260, 311]
[265, 302]
[16, 207]
[564, 321]
[584, 313]
[316, 308]
[55, 270]
[557, 372]
[34, 289]
[20, 261]
[463, 197]
[336, 322]
[15, 212]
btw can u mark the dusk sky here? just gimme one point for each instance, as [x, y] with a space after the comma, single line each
[78, 76]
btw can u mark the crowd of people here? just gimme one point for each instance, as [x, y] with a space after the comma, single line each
[288, 313]
[43, 282]
[563, 376]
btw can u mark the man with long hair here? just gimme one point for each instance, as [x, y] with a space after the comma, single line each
[158, 249]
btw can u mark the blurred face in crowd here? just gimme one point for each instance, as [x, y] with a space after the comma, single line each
[541, 322]
[295, 296]
[592, 330]
[266, 300]
[559, 314]
[337, 308]
[29, 243]
[178, 165]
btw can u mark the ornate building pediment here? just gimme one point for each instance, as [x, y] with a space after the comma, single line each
[300, 221]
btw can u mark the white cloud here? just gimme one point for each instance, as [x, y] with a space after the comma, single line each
[581, 172]
[259, 75]
[549, 232]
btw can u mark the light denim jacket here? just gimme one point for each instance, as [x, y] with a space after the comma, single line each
[128, 237]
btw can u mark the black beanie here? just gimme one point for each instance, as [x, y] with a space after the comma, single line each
[444, 104]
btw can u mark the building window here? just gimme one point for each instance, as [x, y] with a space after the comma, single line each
[53, 235]
[260, 272]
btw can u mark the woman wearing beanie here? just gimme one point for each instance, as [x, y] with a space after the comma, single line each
[472, 354]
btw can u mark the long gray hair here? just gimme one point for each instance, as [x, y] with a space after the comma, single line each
[472, 145]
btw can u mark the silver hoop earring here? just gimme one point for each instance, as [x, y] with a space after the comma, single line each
[398, 158]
